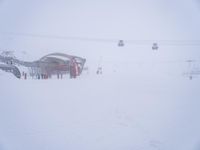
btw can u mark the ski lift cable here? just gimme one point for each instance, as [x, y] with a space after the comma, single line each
[165, 42]
[104, 40]
[60, 37]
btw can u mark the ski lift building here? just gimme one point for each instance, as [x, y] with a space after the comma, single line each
[57, 64]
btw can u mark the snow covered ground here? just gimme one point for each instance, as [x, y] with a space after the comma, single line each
[142, 101]
[109, 111]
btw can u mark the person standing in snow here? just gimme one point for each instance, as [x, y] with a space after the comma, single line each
[73, 68]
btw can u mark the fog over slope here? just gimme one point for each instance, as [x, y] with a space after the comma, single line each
[141, 101]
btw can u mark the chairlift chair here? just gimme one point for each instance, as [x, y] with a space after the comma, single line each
[155, 46]
[121, 43]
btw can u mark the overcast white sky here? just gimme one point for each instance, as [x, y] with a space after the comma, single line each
[123, 19]
[109, 19]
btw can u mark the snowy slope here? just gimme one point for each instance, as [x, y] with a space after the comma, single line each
[142, 101]
[100, 112]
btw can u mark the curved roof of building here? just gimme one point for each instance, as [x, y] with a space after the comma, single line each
[59, 57]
